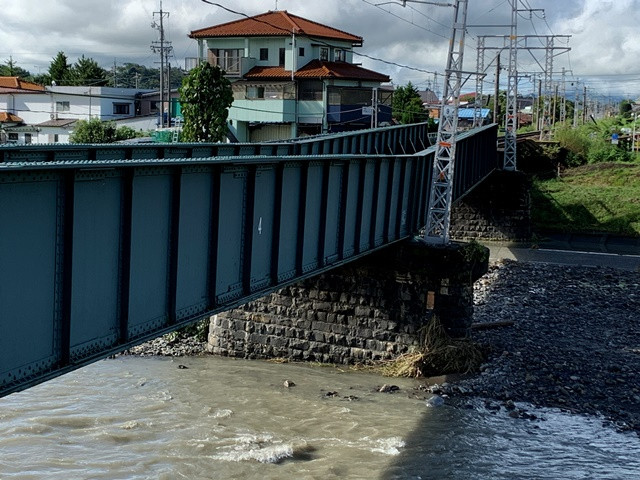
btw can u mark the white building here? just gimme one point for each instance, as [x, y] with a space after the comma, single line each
[48, 114]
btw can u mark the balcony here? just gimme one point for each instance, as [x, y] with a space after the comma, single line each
[229, 60]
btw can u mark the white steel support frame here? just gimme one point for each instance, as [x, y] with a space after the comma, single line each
[440, 198]
[563, 92]
[515, 43]
[545, 131]
[477, 107]
[511, 116]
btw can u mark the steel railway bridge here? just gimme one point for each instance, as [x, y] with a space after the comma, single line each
[106, 246]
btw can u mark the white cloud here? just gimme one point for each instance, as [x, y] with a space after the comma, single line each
[605, 38]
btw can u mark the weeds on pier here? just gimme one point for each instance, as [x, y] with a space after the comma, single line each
[439, 354]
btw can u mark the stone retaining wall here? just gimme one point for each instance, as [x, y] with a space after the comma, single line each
[371, 309]
[497, 209]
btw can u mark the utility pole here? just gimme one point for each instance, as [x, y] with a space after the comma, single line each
[115, 74]
[576, 102]
[440, 197]
[496, 92]
[633, 135]
[555, 104]
[534, 113]
[164, 48]
[584, 105]
[539, 122]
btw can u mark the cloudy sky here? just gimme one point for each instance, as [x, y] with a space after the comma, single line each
[605, 34]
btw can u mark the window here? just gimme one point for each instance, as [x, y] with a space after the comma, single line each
[27, 138]
[227, 59]
[301, 51]
[324, 54]
[339, 55]
[264, 54]
[121, 108]
[254, 92]
[13, 137]
[281, 57]
[311, 90]
[62, 106]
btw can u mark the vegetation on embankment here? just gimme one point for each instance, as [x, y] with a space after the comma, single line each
[593, 198]
[595, 186]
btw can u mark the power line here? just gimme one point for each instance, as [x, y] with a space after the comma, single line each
[371, 57]
[405, 20]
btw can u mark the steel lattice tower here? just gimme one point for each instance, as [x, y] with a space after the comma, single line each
[545, 131]
[511, 117]
[440, 198]
[477, 108]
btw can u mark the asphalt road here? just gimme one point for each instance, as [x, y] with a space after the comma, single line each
[564, 257]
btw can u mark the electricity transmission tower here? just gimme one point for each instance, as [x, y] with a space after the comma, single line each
[514, 43]
[550, 49]
[440, 198]
[164, 48]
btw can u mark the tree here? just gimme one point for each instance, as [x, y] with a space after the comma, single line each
[11, 69]
[625, 108]
[86, 71]
[60, 70]
[205, 97]
[133, 75]
[407, 105]
[96, 131]
[42, 79]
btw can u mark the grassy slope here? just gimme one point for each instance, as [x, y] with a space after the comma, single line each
[601, 197]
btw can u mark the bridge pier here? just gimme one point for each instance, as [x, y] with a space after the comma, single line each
[370, 309]
[497, 209]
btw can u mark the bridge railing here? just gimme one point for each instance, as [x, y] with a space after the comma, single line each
[476, 157]
[98, 255]
[400, 139]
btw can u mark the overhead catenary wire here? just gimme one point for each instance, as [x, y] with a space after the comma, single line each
[370, 57]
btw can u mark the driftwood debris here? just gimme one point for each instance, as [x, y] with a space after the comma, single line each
[490, 325]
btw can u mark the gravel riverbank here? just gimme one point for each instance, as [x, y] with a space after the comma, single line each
[574, 343]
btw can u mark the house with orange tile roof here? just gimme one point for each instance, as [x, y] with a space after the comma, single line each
[292, 77]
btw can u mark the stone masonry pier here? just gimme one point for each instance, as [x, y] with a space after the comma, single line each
[371, 309]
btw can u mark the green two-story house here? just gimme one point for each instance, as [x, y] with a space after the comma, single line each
[292, 77]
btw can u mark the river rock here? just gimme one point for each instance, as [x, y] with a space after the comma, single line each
[435, 401]
[571, 345]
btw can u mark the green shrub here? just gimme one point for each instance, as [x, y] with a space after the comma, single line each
[577, 144]
[603, 152]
